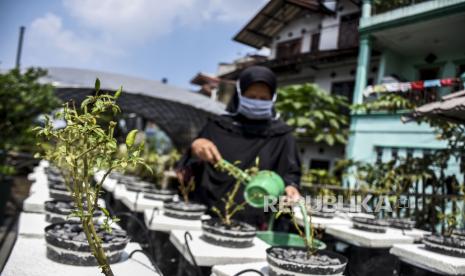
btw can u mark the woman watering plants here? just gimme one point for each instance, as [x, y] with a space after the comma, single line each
[251, 129]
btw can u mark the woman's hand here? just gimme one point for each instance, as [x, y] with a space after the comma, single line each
[206, 150]
[292, 193]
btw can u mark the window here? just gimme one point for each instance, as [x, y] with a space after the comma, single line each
[315, 44]
[343, 88]
[288, 48]
[318, 164]
[348, 31]
[428, 73]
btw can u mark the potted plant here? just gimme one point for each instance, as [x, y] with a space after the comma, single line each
[86, 146]
[223, 230]
[184, 209]
[308, 260]
[401, 223]
[370, 224]
[160, 189]
[150, 184]
[60, 211]
[451, 243]
[22, 100]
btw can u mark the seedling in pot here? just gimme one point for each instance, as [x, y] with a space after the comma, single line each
[230, 205]
[225, 231]
[185, 209]
[86, 145]
[290, 260]
[452, 242]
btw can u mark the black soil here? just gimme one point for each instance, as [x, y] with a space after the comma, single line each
[234, 226]
[301, 256]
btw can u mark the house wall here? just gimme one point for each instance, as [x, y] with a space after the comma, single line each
[309, 150]
[326, 25]
[387, 131]
[330, 25]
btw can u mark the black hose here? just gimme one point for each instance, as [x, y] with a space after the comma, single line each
[142, 225]
[150, 258]
[188, 234]
[249, 270]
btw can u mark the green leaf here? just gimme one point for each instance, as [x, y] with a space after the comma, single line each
[105, 211]
[118, 92]
[130, 138]
[97, 85]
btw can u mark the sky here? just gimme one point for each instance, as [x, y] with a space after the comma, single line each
[152, 39]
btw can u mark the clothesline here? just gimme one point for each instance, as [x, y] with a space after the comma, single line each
[409, 86]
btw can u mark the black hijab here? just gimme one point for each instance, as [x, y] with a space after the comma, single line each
[249, 76]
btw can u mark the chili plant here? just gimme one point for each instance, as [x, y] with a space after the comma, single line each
[310, 244]
[184, 188]
[85, 146]
[231, 207]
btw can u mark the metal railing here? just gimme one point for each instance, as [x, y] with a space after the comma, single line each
[424, 207]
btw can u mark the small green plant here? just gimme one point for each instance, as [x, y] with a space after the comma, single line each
[184, 188]
[230, 205]
[310, 243]
[22, 100]
[386, 102]
[83, 147]
[315, 113]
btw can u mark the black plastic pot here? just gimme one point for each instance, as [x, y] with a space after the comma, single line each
[5, 191]
[67, 244]
[369, 224]
[403, 224]
[452, 246]
[138, 186]
[291, 260]
[59, 192]
[181, 210]
[57, 211]
[237, 235]
[323, 212]
[160, 194]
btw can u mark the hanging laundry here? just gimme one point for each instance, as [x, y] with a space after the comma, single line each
[448, 82]
[432, 83]
[405, 86]
[417, 85]
[409, 86]
[392, 87]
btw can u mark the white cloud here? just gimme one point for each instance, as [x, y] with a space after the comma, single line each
[106, 29]
[139, 20]
[49, 40]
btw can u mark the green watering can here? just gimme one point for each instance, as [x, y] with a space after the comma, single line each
[269, 184]
[257, 187]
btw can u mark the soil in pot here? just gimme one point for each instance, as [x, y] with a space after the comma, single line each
[323, 212]
[369, 224]
[164, 195]
[67, 244]
[182, 210]
[291, 260]
[403, 224]
[138, 186]
[452, 246]
[59, 192]
[58, 210]
[237, 235]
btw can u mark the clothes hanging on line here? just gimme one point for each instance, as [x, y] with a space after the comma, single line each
[409, 86]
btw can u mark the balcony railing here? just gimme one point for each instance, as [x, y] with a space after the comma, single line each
[382, 6]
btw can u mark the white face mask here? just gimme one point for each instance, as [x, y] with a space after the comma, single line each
[255, 109]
